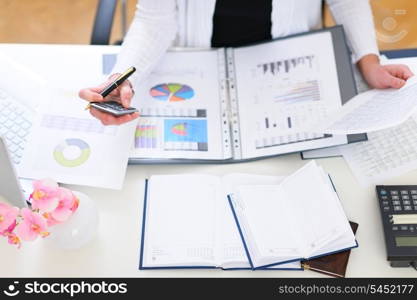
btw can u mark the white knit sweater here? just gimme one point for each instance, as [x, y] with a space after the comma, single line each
[159, 24]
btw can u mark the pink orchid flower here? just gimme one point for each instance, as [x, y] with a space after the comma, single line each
[32, 225]
[8, 215]
[13, 239]
[45, 196]
[50, 221]
[67, 205]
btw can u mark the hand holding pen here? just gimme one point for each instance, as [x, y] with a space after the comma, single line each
[118, 89]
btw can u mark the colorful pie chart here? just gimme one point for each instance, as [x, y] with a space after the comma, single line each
[179, 129]
[72, 153]
[172, 92]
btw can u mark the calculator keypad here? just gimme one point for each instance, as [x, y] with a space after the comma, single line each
[399, 201]
[113, 105]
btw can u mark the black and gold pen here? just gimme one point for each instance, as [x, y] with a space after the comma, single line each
[116, 83]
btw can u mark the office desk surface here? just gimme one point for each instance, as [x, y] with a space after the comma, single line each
[115, 250]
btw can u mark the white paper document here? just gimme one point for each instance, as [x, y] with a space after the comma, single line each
[281, 87]
[373, 110]
[69, 145]
[387, 153]
[188, 222]
[180, 108]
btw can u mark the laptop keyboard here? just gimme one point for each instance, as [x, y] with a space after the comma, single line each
[15, 124]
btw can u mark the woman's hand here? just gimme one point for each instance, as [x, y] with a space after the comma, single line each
[383, 77]
[122, 94]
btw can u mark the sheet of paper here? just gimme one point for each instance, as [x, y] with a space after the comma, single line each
[268, 225]
[180, 220]
[323, 215]
[231, 253]
[70, 146]
[75, 148]
[387, 153]
[180, 107]
[280, 86]
[375, 109]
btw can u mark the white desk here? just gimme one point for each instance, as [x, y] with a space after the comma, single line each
[115, 250]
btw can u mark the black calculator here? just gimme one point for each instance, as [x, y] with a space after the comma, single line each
[398, 206]
[113, 107]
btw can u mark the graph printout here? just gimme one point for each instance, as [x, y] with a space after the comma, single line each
[287, 83]
[70, 146]
[180, 108]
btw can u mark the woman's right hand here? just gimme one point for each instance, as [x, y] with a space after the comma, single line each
[122, 94]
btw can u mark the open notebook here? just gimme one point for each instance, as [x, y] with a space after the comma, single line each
[301, 218]
[187, 222]
[234, 104]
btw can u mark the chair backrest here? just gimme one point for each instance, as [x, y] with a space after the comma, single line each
[103, 22]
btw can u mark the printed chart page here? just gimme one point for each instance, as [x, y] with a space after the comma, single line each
[181, 108]
[281, 85]
[70, 146]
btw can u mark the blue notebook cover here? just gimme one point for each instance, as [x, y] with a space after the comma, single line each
[142, 247]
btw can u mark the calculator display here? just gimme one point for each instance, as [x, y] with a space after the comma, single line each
[406, 241]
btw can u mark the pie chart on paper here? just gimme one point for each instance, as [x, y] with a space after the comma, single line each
[72, 153]
[179, 129]
[172, 92]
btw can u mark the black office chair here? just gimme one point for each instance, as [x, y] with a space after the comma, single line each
[103, 21]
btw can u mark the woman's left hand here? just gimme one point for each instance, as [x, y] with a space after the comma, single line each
[383, 76]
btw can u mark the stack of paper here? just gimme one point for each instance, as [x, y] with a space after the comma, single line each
[188, 221]
[299, 219]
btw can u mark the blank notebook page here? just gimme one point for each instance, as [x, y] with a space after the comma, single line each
[180, 220]
[269, 230]
[318, 210]
[230, 243]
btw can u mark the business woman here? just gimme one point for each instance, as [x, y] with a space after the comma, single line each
[159, 24]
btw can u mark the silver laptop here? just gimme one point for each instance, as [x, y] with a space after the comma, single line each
[10, 188]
